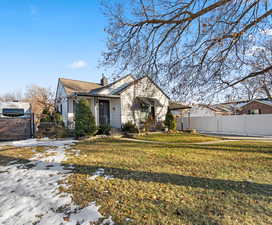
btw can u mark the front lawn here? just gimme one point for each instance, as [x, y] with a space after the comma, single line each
[148, 183]
[177, 138]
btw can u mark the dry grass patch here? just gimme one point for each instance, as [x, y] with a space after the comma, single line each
[14, 154]
[178, 138]
[224, 184]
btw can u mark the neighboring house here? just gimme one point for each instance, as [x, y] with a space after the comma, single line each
[127, 99]
[15, 109]
[202, 110]
[178, 109]
[257, 106]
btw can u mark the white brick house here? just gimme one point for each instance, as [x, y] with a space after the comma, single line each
[127, 99]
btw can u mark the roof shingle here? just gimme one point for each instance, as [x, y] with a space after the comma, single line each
[72, 86]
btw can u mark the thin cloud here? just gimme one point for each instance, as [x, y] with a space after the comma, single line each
[78, 64]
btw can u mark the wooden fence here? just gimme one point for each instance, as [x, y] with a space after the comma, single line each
[16, 128]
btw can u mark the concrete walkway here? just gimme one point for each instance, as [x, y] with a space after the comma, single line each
[226, 139]
[237, 137]
[213, 142]
[143, 141]
[159, 142]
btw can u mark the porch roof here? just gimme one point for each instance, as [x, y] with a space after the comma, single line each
[177, 106]
[95, 95]
[149, 101]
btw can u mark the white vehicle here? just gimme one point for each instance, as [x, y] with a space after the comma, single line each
[15, 109]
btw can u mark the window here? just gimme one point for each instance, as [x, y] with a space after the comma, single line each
[13, 112]
[74, 106]
[60, 109]
[254, 111]
[147, 111]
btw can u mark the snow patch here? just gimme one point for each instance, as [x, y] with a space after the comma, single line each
[38, 142]
[100, 173]
[29, 193]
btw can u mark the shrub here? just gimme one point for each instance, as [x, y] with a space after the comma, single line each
[46, 116]
[149, 123]
[84, 120]
[170, 121]
[160, 126]
[104, 129]
[130, 127]
[46, 111]
[45, 119]
[57, 117]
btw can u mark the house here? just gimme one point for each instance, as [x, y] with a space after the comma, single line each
[15, 109]
[178, 109]
[256, 106]
[126, 99]
[202, 110]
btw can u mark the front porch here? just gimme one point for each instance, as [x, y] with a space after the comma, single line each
[106, 110]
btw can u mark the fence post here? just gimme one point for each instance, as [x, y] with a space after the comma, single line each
[33, 125]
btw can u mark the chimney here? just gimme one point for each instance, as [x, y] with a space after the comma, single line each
[104, 81]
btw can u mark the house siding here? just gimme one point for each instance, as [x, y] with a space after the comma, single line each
[115, 113]
[200, 111]
[62, 103]
[142, 88]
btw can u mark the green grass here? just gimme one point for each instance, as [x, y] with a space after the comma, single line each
[226, 184]
[177, 138]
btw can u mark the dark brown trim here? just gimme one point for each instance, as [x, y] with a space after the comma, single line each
[94, 95]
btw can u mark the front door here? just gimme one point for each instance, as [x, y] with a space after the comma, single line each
[104, 112]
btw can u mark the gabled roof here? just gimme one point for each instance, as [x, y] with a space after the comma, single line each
[216, 108]
[111, 84]
[135, 81]
[177, 106]
[94, 89]
[149, 101]
[266, 102]
[72, 86]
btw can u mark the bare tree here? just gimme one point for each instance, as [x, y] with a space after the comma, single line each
[259, 56]
[40, 98]
[11, 96]
[193, 47]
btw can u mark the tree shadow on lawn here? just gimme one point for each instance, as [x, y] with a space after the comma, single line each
[228, 148]
[215, 147]
[167, 178]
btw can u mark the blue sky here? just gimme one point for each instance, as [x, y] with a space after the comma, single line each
[42, 40]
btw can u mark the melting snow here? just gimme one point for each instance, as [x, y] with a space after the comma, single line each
[100, 172]
[29, 193]
[38, 142]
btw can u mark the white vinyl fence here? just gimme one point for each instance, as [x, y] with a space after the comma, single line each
[255, 125]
